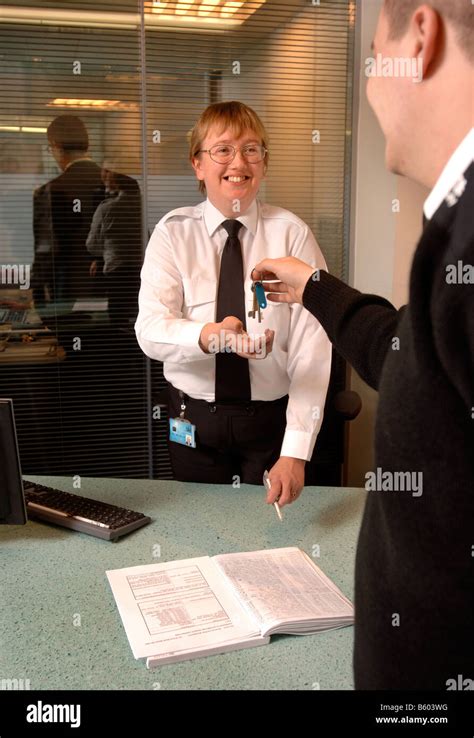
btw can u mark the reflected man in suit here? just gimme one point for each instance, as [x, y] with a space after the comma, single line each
[73, 198]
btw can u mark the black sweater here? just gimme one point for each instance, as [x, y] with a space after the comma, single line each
[414, 597]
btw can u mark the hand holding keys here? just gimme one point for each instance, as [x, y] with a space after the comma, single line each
[259, 300]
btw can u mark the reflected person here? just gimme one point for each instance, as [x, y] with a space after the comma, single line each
[72, 198]
[115, 238]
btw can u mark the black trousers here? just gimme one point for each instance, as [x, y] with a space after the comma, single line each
[231, 440]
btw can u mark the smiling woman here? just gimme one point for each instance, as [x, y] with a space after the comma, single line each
[249, 415]
[215, 125]
[234, 138]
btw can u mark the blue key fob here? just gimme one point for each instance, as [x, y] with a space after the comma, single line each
[260, 292]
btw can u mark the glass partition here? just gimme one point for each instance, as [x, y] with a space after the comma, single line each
[80, 197]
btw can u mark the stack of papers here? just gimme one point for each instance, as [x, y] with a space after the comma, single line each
[196, 607]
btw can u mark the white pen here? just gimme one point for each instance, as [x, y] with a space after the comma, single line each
[268, 485]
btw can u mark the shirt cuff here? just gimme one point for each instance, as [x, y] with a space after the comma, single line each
[298, 444]
[188, 337]
[183, 348]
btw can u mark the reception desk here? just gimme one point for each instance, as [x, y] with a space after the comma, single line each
[60, 627]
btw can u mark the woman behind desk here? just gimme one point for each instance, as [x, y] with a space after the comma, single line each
[249, 409]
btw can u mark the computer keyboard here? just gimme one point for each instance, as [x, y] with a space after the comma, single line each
[18, 317]
[80, 513]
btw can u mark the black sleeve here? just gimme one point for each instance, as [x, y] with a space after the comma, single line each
[455, 335]
[360, 326]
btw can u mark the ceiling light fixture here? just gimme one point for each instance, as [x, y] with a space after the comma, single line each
[90, 104]
[23, 129]
[207, 7]
[227, 12]
[213, 16]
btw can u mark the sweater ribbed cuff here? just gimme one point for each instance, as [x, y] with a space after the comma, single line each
[321, 297]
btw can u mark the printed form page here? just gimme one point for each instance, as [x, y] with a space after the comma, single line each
[283, 587]
[176, 607]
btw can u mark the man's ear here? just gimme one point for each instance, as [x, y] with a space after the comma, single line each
[425, 37]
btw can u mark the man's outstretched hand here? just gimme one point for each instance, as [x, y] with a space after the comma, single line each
[291, 274]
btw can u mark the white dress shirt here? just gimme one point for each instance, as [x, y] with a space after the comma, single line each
[451, 183]
[178, 294]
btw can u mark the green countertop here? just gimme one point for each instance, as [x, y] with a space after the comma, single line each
[60, 627]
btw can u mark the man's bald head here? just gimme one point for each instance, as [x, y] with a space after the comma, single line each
[458, 13]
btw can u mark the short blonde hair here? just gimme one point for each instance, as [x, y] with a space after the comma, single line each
[234, 115]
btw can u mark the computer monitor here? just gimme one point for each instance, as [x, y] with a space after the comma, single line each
[12, 501]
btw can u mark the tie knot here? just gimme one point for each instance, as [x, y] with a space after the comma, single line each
[232, 227]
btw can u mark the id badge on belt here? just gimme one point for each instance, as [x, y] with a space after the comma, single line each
[181, 430]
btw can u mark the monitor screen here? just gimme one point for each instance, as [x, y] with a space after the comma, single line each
[12, 502]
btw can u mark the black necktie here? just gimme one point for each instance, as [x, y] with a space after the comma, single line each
[232, 371]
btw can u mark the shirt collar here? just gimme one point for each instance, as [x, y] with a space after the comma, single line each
[213, 217]
[82, 158]
[451, 182]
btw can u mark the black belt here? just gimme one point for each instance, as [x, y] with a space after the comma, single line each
[227, 408]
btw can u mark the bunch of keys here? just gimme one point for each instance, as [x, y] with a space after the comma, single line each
[259, 299]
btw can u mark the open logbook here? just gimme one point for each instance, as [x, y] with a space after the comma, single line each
[196, 607]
